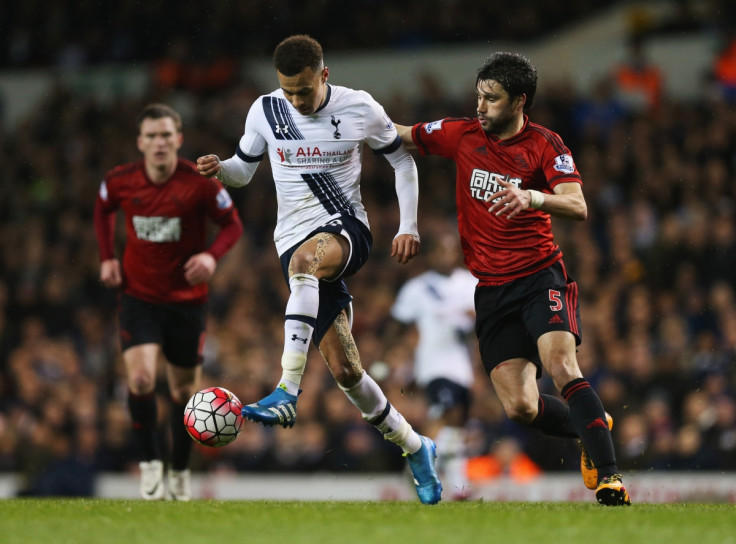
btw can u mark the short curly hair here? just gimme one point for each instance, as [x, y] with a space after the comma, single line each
[296, 53]
[514, 72]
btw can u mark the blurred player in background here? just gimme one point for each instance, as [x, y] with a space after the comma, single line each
[512, 175]
[163, 282]
[439, 302]
[313, 133]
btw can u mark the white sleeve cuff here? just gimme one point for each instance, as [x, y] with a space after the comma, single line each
[235, 172]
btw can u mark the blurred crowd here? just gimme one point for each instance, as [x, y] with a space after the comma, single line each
[655, 265]
[70, 34]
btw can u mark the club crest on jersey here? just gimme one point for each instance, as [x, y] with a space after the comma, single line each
[564, 164]
[429, 128]
[484, 184]
[335, 124]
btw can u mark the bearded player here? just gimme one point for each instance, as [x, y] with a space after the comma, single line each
[512, 176]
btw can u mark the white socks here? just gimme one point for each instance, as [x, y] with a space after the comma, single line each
[452, 460]
[299, 323]
[367, 396]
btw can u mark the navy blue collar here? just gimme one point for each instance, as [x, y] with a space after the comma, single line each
[327, 99]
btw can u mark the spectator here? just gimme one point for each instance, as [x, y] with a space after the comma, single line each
[639, 83]
[505, 458]
[724, 70]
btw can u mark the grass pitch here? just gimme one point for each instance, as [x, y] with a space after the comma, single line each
[81, 521]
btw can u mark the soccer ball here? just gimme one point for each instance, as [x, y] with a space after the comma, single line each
[213, 417]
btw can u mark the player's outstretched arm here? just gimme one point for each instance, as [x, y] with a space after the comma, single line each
[405, 245]
[233, 172]
[405, 135]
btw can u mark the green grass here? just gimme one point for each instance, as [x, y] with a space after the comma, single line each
[81, 521]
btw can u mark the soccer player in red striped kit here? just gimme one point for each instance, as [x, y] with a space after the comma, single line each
[512, 175]
[166, 266]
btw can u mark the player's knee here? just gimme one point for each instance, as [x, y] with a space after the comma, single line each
[141, 384]
[561, 364]
[522, 412]
[301, 261]
[563, 373]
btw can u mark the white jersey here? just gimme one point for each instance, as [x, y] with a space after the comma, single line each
[442, 307]
[316, 159]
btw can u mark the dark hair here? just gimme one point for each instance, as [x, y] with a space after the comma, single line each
[297, 53]
[159, 111]
[514, 72]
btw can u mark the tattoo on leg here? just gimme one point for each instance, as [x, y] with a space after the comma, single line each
[342, 326]
[322, 239]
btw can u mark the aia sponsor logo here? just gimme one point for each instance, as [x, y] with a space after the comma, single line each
[284, 154]
[305, 155]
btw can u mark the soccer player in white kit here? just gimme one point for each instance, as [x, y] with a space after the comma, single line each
[440, 304]
[313, 133]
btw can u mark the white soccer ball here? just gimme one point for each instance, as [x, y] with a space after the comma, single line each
[213, 417]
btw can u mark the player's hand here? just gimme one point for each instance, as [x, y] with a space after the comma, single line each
[208, 165]
[510, 200]
[110, 274]
[405, 247]
[199, 268]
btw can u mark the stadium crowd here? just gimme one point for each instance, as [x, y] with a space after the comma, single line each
[654, 262]
[73, 34]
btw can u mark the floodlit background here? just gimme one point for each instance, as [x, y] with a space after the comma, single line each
[644, 94]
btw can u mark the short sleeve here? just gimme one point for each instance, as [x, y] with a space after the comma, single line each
[380, 132]
[217, 199]
[558, 164]
[252, 143]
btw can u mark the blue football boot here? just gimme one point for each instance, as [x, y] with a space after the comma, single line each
[426, 481]
[278, 408]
